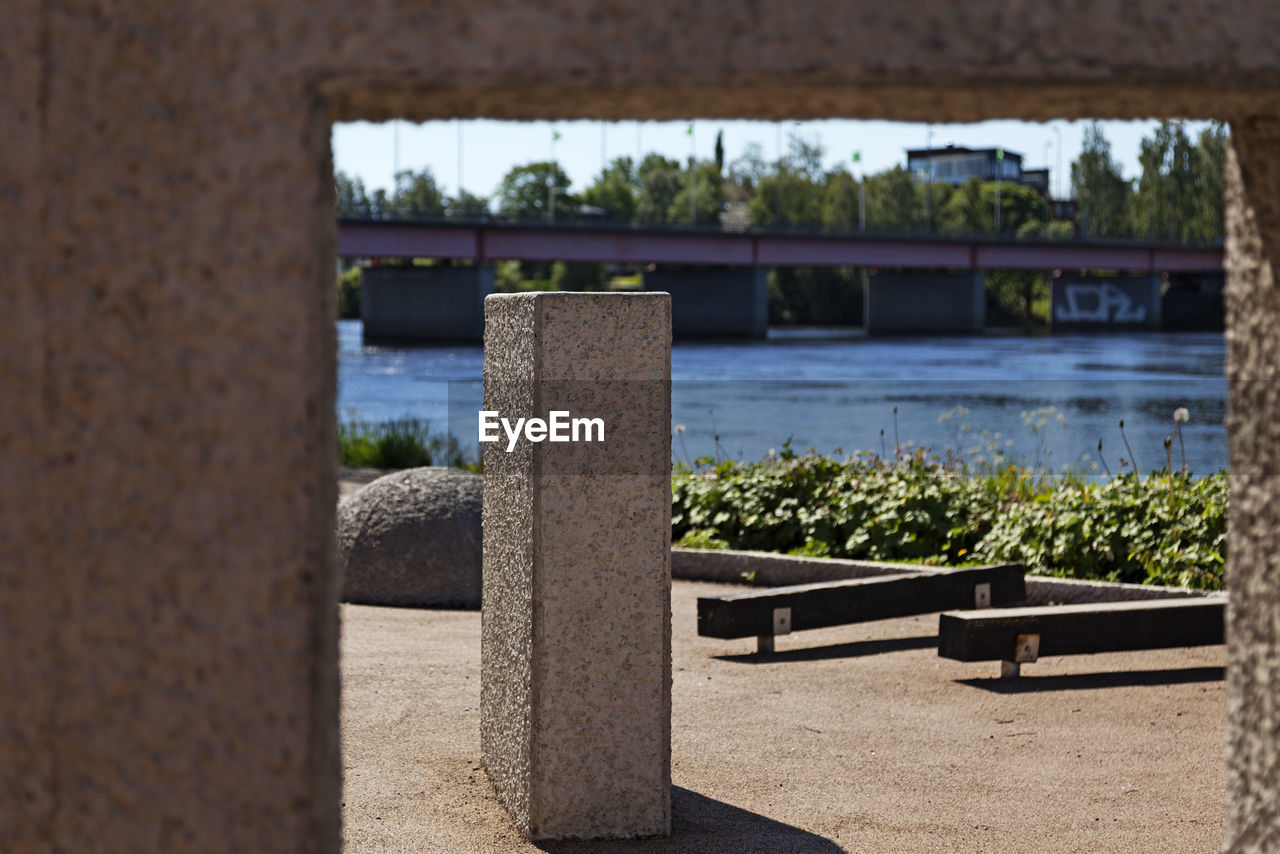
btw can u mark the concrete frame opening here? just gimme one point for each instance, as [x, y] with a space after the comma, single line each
[167, 601]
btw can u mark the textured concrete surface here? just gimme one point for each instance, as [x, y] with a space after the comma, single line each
[709, 302]
[424, 304]
[857, 738]
[167, 580]
[1105, 302]
[412, 538]
[1253, 429]
[577, 575]
[925, 302]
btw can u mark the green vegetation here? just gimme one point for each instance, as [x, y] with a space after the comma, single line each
[402, 443]
[349, 292]
[1162, 528]
[1165, 527]
[1177, 197]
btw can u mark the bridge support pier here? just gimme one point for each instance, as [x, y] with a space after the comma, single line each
[425, 304]
[1099, 303]
[926, 302]
[715, 302]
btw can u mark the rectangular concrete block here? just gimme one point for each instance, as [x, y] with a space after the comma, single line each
[424, 304]
[576, 650]
[925, 302]
[1100, 303]
[715, 302]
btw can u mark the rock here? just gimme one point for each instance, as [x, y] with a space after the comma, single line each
[412, 538]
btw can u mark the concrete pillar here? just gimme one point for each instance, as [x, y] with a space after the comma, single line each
[424, 304]
[168, 611]
[926, 302]
[715, 302]
[1101, 303]
[1253, 429]
[576, 652]
[576, 644]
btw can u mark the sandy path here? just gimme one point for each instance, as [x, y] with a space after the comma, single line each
[856, 738]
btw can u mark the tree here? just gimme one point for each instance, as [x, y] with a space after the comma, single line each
[971, 208]
[792, 196]
[966, 212]
[1209, 184]
[1165, 201]
[578, 276]
[719, 152]
[352, 200]
[616, 190]
[417, 195]
[380, 207]
[826, 296]
[1105, 197]
[748, 171]
[709, 197]
[840, 202]
[524, 190]
[468, 205]
[895, 201]
[659, 185]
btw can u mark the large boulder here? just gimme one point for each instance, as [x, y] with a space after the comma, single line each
[413, 538]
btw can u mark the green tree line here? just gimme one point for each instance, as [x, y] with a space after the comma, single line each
[1177, 197]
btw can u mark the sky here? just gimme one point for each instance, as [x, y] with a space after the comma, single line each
[477, 153]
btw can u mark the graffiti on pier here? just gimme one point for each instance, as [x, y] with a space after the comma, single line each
[1131, 302]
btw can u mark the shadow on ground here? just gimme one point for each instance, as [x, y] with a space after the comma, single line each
[708, 826]
[854, 649]
[1088, 681]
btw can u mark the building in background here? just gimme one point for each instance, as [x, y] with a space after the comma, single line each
[956, 165]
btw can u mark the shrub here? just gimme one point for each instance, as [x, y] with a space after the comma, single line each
[1159, 529]
[349, 293]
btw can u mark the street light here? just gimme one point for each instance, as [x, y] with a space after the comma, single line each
[1058, 131]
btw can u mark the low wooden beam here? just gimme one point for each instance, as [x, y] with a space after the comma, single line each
[1018, 635]
[780, 610]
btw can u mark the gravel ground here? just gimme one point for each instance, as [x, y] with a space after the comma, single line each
[856, 738]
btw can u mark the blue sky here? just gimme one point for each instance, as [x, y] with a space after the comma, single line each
[484, 150]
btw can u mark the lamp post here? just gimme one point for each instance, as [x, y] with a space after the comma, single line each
[928, 178]
[693, 189]
[999, 170]
[551, 179]
[1058, 148]
[862, 197]
[1048, 185]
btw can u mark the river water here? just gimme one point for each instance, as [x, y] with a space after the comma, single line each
[1045, 401]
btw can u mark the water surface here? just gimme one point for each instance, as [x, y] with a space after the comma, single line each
[1043, 400]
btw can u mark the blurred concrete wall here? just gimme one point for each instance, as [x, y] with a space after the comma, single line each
[168, 611]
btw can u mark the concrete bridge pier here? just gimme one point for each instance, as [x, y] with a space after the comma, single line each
[715, 302]
[926, 301]
[425, 304]
[1100, 303]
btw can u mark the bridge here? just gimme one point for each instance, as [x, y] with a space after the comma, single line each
[501, 241]
[717, 279]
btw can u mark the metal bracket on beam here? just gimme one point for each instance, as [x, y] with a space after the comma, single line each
[982, 595]
[781, 626]
[1027, 649]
